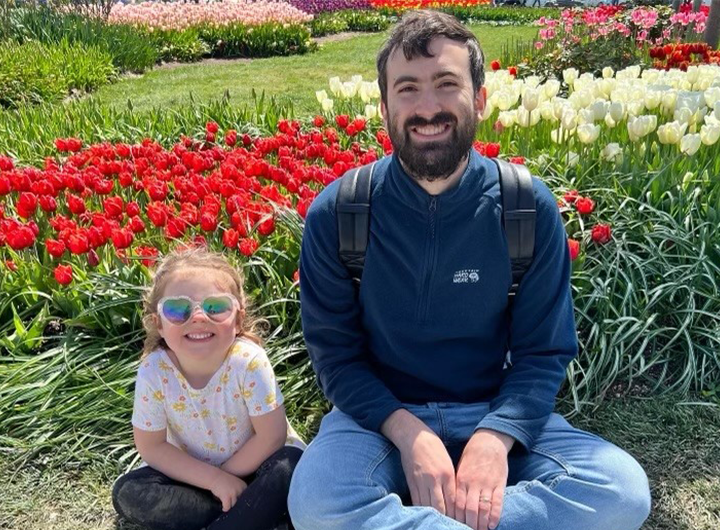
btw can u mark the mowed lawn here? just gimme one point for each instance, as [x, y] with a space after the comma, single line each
[289, 79]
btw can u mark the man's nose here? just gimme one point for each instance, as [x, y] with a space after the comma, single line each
[428, 104]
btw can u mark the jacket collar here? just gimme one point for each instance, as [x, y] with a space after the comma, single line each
[474, 182]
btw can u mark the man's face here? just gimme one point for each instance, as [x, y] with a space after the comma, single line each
[432, 111]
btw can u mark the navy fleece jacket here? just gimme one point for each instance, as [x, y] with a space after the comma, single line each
[431, 322]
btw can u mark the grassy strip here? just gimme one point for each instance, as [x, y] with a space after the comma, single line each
[677, 444]
[291, 79]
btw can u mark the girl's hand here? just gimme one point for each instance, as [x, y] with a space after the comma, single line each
[227, 488]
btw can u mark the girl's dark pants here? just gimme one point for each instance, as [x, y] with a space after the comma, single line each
[149, 498]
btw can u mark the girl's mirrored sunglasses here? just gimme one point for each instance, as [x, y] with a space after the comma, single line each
[178, 309]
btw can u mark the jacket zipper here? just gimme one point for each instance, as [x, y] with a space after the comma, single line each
[430, 264]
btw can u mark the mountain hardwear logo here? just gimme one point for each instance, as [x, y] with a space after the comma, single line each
[466, 276]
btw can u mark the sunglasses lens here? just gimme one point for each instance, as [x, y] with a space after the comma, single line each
[218, 308]
[176, 310]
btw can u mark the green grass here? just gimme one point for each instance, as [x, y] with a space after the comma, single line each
[677, 444]
[292, 79]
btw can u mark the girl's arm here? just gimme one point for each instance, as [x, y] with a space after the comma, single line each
[162, 456]
[270, 435]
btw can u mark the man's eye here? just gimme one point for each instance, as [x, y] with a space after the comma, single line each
[447, 84]
[407, 89]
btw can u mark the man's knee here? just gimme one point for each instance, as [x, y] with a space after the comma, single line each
[631, 502]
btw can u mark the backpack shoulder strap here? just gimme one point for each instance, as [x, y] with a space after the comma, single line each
[353, 218]
[518, 197]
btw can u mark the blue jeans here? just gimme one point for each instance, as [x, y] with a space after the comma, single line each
[350, 478]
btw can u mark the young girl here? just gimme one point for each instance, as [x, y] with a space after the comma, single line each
[208, 416]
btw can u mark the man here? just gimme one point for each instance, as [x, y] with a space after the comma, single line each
[428, 430]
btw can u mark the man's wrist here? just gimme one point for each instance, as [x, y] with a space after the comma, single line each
[506, 440]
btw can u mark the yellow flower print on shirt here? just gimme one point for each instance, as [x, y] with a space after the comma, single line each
[270, 398]
[247, 393]
[224, 378]
[179, 406]
[204, 413]
[158, 395]
[210, 446]
[254, 365]
[164, 366]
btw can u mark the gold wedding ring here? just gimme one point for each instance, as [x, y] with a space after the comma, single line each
[484, 499]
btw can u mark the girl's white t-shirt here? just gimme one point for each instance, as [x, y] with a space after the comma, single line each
[211, 423]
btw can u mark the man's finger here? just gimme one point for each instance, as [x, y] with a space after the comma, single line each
[471, 508]
[449, 495]
[414, 494]
[496, 510]
[437, 498]
[460, 496]
[484, 507]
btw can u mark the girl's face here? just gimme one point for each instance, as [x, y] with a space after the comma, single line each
[200, 337]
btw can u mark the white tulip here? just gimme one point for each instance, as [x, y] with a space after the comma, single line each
[635, 107]
[551, 88]
[671, 132]
[710, 133]
[712, 95]
[569, 119]
[690, 143]
[321, 95]
[692, 74]
[336, 85]
[716, 110]
[608, 72]
[588, 133]
[559, 105]
[527, 119]
[570, 75]
[604, 87]
[600, 109]
[652, 99]
[546, 111]
[371, 111]
[532, 81]
[365, 91]
[530, 99]
[327, 104]
[349, 89]
[609, 121]
[375, 90]
[617, 111]
[585, 116]
[612, 153]
[357, 79]
[487, 111]
[572, 159]
[507, 117]
[669, 98]
[683, 115]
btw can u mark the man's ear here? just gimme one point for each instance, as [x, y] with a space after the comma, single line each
[480, 99]
[383, 113]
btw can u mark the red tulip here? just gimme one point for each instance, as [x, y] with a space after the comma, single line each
[122, 238]
[585, 205]
[136, 225]
[132, 209]
[48, 203]
[248, 246]
[75, 204]
[318, 121]
[208, 222]
[55, 248]
[211, 127]
[230, 238]
[267, 227]
[571, 196]
[342, 120]
[113, 206]
[495, 65]
[157, 214]
[63, 274]
[93, 259]
[574, 247]
[27, 204]
[20, 238]
[231, 138]
[78, 243]
[601, 233]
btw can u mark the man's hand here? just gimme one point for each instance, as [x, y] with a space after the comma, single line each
[427, 465]
[481, 479]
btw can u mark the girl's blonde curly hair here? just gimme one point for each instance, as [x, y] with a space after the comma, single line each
[195, 258]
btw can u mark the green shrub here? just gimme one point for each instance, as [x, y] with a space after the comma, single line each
[129, 47]
[370, 21]
[265, 40]
[33, 73]
[327, 24]
[175, 45]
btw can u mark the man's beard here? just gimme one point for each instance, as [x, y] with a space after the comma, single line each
[432, 161]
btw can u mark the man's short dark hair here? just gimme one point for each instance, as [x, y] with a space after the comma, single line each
[413, 34]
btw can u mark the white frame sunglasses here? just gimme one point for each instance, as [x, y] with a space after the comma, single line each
[194, 304]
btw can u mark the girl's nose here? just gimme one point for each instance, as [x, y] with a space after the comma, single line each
[198, 314]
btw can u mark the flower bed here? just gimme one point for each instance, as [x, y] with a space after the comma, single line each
[176, 15]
